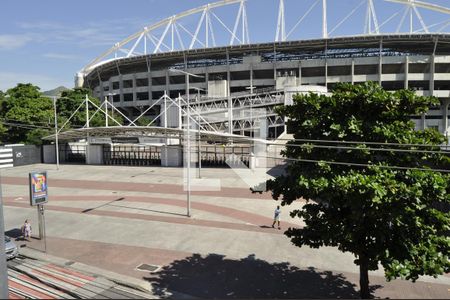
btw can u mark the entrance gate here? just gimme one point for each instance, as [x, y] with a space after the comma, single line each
[131, 155]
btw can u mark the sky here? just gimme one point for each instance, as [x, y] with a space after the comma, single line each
[46, 42]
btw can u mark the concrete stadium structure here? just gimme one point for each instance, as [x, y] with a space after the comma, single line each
[258, 75]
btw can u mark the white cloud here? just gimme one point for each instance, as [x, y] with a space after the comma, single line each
[10, 79]
[61, 56]
[14, 41]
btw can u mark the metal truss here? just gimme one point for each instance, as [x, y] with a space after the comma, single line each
[243, 112]
[208, 25]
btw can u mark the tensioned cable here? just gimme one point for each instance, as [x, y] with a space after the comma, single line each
[332, 163]
[358, 142]
[362, 149]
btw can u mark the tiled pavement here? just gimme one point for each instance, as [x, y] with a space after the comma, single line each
[118, 218]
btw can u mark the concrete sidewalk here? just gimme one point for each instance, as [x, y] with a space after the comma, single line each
[116, 218]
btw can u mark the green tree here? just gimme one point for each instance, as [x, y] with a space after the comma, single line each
[26, 114]
[356, 201]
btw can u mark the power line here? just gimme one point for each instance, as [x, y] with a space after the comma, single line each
[363, 149]
[358, 142]
[355, 164]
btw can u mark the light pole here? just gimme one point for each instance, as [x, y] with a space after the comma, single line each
[54, 98]
[199, 142]
[111, 99]
[188, 192]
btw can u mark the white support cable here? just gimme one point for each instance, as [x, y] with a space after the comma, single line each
[236, 23]
[191, 34]
[303, 17]
[225, 26]
[154, 38]
[180, 40]
[199, 25]
[407, 8]
[207, 28]
[324, 20]
[247, 31]
[374, 17]
[199, 115]
[390, 18]
[131, 122]
[163, 112]
[101, 110]
[71, 116]
[163, 36]
[211, 28]
[419, 16]
[281, 24]
[145, 111]
[135, 45]
[172, 36]
[346, 17]
[368, 21]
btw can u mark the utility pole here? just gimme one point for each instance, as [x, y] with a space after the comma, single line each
[4, 294]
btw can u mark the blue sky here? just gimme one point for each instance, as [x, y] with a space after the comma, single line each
[46, 42]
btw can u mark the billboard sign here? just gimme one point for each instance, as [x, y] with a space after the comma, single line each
[38, 188]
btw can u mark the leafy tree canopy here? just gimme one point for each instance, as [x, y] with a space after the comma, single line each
[25, 113]
[356, 200]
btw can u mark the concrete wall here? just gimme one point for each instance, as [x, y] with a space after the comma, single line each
[27, 155]
[48, 154]
[171, 156]
[94, 154]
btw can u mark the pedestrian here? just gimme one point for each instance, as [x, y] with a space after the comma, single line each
[276, 217]
[26, 230]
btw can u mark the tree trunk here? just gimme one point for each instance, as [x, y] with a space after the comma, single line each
[364, 277]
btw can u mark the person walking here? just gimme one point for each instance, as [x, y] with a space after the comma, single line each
[276, 217]
[26, 230]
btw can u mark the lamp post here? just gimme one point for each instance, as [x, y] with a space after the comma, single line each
[54, 98]
[199, 142]
[188, 192]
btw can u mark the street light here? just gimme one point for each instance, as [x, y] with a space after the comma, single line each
[54, 98]
[199, 145]
[188, 194]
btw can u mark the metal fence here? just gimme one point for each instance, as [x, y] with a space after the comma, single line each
[128, 155]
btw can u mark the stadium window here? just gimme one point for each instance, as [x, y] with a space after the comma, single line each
[366, 69]
[240, 75]
[393, 69]
[158, 80]
[263, 74]
[127, 97]
[142, 82]
[339, 70]
[116, 98]
[127, 84]
[419, 68]
[442, 85]
[419, 85]
[116, 85]
[442, 68]
[177, 79]
[106, 88]
[313, 72]
[393, 85]
[157, 95]
[142, 96]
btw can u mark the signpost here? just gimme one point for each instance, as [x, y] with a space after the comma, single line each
[39, 196]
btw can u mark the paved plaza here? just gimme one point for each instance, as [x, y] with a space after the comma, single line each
[117, 218]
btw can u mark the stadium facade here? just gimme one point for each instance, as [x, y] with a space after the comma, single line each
[137, 81]
[419, 62]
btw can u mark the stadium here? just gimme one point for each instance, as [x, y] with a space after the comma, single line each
[202, 62]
